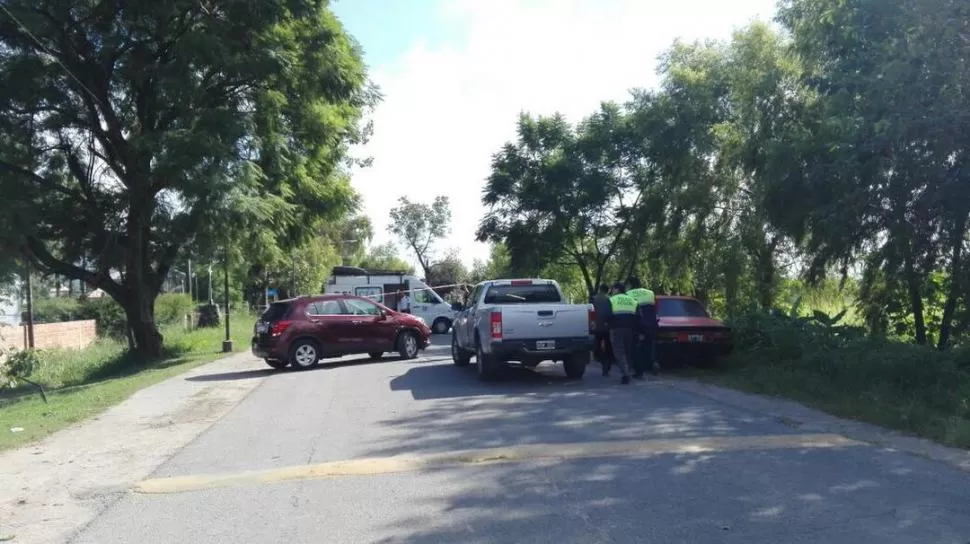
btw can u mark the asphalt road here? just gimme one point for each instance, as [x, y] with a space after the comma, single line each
[421, 451]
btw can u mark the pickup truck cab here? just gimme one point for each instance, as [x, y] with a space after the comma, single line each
[525, 321]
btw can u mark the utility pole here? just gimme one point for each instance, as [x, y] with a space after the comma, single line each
[189, 279]
[227, 343]
[30, 308]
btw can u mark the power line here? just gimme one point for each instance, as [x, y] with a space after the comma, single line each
[44, 48]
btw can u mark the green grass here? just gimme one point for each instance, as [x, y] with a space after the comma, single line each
[909, 388]
[84, 383]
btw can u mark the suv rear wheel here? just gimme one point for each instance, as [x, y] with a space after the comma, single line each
[304, 354]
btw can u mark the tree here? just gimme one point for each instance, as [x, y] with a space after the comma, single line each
[131, 130]
[419, 226]
[384, 257]
[565, 194]
[887, 175]
[351, 236]
[446, 273]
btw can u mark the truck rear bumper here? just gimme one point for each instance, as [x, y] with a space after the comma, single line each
[532, 349]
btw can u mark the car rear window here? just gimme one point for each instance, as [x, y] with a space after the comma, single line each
[275, 312]
[679, 307]
[522, 294]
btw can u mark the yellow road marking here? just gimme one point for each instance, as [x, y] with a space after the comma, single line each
[411, 463]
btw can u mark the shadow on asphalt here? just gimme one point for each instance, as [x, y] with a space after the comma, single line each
[801, 495]
[326, 364]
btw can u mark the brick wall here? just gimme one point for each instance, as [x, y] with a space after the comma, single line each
[68, 335]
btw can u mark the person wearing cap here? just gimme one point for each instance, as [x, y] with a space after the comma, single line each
[646, 331]
[622, 324]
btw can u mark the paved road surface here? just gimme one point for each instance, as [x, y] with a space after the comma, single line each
[420, 451]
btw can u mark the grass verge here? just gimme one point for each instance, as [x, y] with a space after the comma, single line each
[84, 383]
[913, 389]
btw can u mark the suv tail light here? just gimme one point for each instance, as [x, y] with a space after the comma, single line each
[496, 324]
[279, 327]
[592, 319]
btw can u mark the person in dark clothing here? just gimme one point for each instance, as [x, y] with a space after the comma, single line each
[622, 323]
[601, 350]
[644, 354]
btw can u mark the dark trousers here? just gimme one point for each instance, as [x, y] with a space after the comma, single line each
[603, 351]
[644, 353]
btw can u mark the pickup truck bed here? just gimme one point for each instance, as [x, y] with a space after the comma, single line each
[524, 321]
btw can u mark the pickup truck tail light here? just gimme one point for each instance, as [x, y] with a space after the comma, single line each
[592, 319]
[496, 325]
[279, 327]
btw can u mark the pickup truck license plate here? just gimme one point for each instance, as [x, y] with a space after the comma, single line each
[546, 344]
[261, 328]
[693, 338]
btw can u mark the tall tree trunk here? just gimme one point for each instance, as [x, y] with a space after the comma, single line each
[956, 282]
[915, 297]
[140, 311]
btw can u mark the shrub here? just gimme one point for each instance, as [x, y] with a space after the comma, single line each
[905, 386]
[56, 310]
[171, 308]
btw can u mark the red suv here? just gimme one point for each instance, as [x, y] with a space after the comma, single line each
[301, 331]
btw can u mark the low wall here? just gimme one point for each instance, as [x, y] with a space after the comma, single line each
[66, 335]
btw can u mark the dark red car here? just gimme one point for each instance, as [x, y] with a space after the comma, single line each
[688, 332]
[301, 331]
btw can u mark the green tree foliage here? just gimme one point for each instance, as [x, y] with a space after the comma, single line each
[564, 194]
[419, 225]
[130, 131]
[384, 257]
[835, 152]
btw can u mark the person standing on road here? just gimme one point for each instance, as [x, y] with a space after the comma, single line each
[601, 350]
[646, 333]
[403, 302]
[622, 323]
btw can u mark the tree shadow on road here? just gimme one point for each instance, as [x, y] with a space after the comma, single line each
[768, 496]
[858, 493]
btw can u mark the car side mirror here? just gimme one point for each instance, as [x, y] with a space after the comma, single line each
[458, 306]
[382, 316]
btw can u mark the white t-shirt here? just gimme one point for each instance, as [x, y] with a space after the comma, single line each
[404, 304]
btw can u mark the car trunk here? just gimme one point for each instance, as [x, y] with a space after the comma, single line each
[276, 312]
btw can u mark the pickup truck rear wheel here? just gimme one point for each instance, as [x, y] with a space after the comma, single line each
[460, 356]
[489, 368]
[575, 365]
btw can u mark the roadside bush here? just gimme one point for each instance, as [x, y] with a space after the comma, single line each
[837, 368]
[58, 309]
[171, 308]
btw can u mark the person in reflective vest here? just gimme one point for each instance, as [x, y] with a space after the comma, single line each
[622, 324]
[644, 351]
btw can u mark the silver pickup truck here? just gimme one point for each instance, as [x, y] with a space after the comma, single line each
[525, 321]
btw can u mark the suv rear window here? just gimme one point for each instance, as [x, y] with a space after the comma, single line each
[680, 307]
[522, 294]
[275, 312]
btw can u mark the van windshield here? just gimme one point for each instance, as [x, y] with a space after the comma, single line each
[422, 294]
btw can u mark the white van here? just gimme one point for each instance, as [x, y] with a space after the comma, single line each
[383, 285]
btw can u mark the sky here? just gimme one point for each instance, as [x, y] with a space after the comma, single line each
[455, 74]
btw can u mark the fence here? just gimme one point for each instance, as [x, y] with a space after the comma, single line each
[65, 335]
